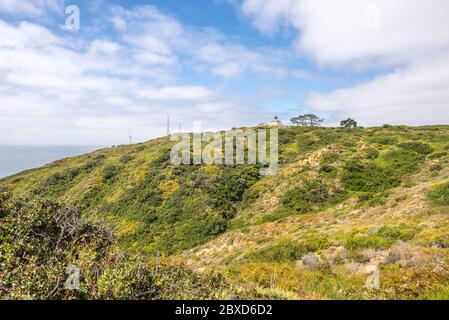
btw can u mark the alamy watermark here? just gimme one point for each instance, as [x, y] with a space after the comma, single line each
[73, 21]
[232, 147]
[73, 277]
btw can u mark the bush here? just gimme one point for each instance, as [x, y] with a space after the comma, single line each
[110, 172]
[40, 238]
[367, 177]
[439, 195]
[436, 167]
[288, 250]
[313, 196]
[330, 158]
[372, 154]
[373, 199]
[438, 155]
[402, 162]
[383, 238]
[126, 158]
[417, 147]
[385, 140]
[327, 169]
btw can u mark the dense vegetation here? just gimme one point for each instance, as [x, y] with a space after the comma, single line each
[140, 227]
[40, 239]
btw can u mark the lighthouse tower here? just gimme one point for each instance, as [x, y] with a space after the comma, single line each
[276, 122]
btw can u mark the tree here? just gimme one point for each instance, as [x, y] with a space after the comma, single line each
[307, 120]
[300, 121]
[348, 123]
[313, 120]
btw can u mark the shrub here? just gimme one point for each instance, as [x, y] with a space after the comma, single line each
[373, 199]
[288, 250]
[417, 147]
[436, 167]
[330, 158]
[439, 195]
[359, 241]
[327, 169]
[372, 154]
[396, 233]
[126, 158]
[385, 140]
[438, 155]
[402, 162]
[109, 173]
[313, 196]
[383, 238]
[39, 239]
[367, 177]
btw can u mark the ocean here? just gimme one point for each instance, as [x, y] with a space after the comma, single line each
[15, 158]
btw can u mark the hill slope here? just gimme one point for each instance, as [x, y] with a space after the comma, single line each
[342, 202]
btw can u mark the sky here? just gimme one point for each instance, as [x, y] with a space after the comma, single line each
[223, 63]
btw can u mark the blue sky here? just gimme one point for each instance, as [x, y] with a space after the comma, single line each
[226, 63]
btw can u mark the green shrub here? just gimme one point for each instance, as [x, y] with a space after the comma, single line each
[373, 199]
[436, 167]
[110, 172]
[328, 169]
[313, 196]
[397, 233]
[288, 250]
[39, 239]
[439, 195]
[438, 155]
[383, 238]
[402, 162]
[367, 177]
[126, 158]
[385, 140]
[330, 158]
[372, 154]
[417, 147]
[361, 241]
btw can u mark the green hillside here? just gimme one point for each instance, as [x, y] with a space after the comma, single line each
[342, 201]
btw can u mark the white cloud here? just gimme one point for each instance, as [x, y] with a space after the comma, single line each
[68, 89]
[414, 95]
[409, 36]
[175, 93]
[105, 47]
[268, 15]
[34, 8]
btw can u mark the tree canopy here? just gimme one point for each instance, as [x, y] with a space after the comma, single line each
[348, 123]
[307, 120]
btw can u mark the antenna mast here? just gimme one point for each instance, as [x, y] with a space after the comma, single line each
[168, 125]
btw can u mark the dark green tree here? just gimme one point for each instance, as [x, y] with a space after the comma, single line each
[313, 120]
[307, 120]
[348, 123]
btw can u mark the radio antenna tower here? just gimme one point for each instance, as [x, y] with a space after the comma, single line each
[168, 125]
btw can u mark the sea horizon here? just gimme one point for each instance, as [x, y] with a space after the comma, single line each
[15, 158]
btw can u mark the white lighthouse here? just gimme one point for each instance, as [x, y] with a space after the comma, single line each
[276, 122]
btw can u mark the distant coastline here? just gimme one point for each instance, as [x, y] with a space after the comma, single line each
[17, 158]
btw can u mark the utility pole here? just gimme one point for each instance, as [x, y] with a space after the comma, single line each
[168, 125]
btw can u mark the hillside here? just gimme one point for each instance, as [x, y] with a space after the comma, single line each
[342, 202]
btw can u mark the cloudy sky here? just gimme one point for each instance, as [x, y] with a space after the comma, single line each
[226, 63]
